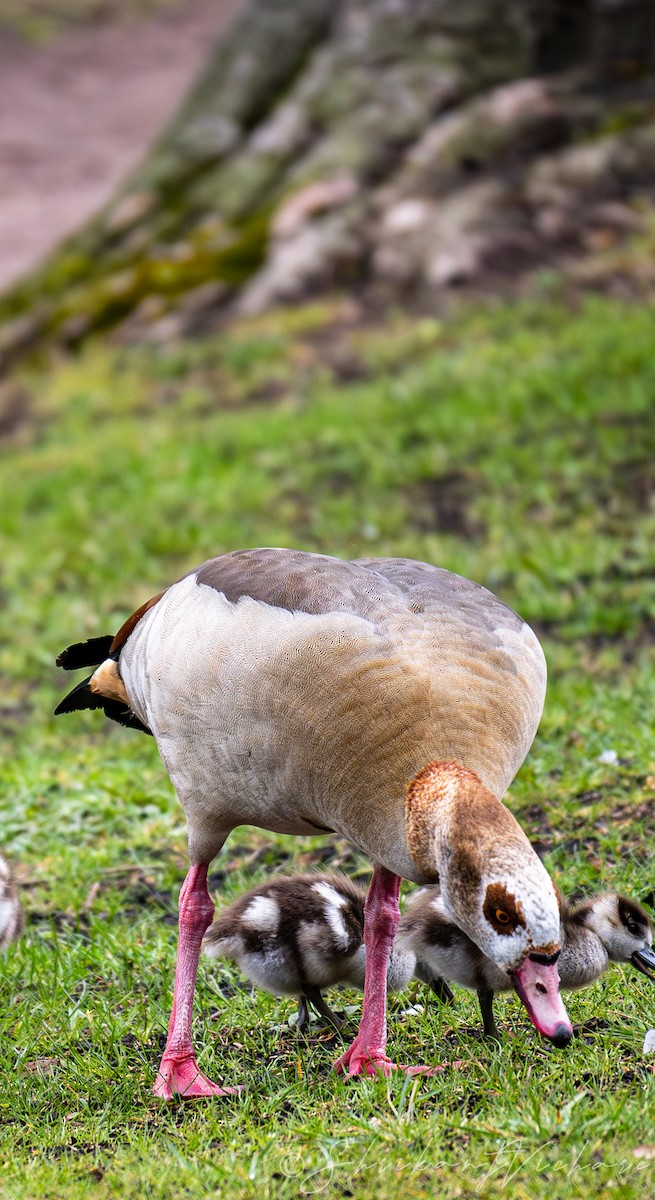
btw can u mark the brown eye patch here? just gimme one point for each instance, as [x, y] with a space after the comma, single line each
[632, 915]
[501, 909]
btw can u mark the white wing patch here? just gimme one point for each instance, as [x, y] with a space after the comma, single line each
[333, 914]
[262, 913]
[330, 893]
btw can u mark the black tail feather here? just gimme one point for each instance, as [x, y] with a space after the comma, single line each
[85, 654]
[82, 697]
[124, 716]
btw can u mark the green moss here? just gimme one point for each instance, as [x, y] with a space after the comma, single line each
[236, 188]
[631, 116]
[105, 296]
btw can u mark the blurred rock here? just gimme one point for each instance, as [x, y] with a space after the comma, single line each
[556, 179]
[438, 243]
[283, 133]
[619, 216]
[321, 253]
[150, 309]
[166, 329]
[129, 210]
[552, 223]
[519, 118]
[18, 335]
[203, 297]
[74, 328]
[314, 198]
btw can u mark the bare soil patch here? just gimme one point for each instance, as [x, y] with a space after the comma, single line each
[77, 113]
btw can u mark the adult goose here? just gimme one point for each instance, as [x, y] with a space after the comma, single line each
[594, 932]
[384, 699]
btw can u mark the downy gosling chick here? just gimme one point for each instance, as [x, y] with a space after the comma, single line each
[11, 913]
[595, 932]
[296, 935]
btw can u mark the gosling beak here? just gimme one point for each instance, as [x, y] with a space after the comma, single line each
[644, 961]
[537, 983]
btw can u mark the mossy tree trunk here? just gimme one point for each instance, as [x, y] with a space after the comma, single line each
[404, 142]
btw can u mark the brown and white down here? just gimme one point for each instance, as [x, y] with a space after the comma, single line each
[11, 913]
[387, 700]
[297, 935]
[594, 932]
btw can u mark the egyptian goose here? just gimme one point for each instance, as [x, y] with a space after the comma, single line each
[11, 913]
[298, 934]
[384, 699]
[595, 932]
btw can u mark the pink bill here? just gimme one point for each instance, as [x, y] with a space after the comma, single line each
[538, 986]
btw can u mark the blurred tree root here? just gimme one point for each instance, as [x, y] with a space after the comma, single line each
[407, 146]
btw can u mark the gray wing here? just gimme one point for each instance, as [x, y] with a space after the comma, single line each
[433, 591]
[367, 587]
[301, 582]
[288, 579]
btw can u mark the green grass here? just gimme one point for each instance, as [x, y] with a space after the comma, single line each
[517, 447]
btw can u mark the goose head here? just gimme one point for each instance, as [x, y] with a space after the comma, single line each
[493, 884]
[623, 928]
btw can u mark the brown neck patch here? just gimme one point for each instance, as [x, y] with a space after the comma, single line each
[446, 794]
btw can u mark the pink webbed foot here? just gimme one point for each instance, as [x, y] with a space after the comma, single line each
[361, 1060]
[181, 1076]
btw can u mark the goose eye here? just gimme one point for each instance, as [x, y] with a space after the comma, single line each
[502, 909]
[633, 928]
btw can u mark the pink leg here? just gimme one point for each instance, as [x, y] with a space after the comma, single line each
[179, 1073]
[367, 1055]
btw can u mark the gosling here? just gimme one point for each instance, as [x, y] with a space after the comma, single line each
[11, 913]
[607, 928]
[297, 935]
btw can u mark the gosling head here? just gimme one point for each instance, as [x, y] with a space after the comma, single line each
[623, 928]
[493, 885]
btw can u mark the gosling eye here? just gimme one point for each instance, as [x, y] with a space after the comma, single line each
[633, 928]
